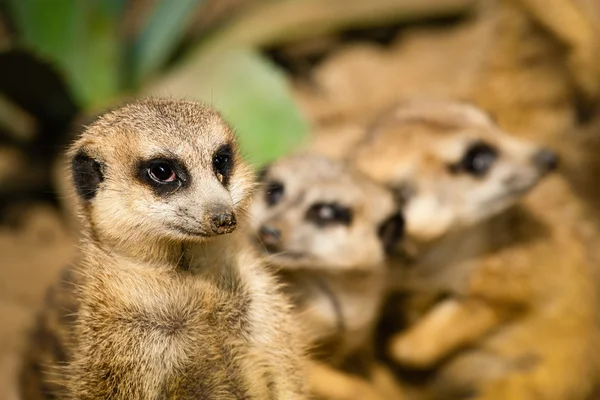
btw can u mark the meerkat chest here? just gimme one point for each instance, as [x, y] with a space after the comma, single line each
[338, 306]
[360, 298]
[200, 327]
[178, 312]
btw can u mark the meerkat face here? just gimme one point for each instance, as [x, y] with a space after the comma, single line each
[450, 165]
[160, 169]
[312, 211]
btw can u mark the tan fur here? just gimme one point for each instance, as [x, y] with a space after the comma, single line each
[165, 310]
[335, 274]
[541, 79]
[541, 68]
[533, 63]
[519, 317]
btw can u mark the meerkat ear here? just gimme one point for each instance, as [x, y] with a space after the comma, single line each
[87, 175]
[391, 231]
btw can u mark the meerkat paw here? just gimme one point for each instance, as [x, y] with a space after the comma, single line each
[331, 384]
[413, 350]
[449, 326]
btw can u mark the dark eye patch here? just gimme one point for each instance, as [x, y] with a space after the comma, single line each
[477, 160]
[87, 175]
[274, 192]
[327, 214]
[163, 175]
[223, 163]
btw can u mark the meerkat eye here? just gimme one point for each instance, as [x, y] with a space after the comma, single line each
[164, 176]
[274, 193]
[323, 214]
[223, 163]
[162, 172]
[478, 159]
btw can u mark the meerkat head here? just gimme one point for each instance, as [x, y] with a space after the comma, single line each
[449, 164]
[313, 211]
[160, 171]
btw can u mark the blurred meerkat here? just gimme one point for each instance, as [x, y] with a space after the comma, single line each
[171, 301]
[540, 78]
[540, 71]
[501, 300]
[528, 61]
[325, 228]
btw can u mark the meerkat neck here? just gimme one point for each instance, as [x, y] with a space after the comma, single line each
[445, 259]
[172, 255]
[143, 250]
[454, 245]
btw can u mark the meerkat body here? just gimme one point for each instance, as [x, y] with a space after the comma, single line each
[48, 346]
[325, 228]
[338, 310]
[503, 302]
[171, 302]
[552, 48]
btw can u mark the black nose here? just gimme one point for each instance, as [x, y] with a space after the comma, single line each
[269, 236]
[546, 160]
[223, 223]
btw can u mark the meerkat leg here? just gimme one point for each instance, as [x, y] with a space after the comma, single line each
[451, 324]
[331, 384]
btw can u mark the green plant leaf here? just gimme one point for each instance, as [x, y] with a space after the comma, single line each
[162, 32]
[251, 93]
[79, 37]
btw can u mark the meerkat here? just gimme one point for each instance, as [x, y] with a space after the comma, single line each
[529, 61]
[325, 228]
[501, 303]
[171, 300]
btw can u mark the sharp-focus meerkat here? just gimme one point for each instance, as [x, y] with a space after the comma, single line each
[325, 228]
[172, 303]
[501, 302]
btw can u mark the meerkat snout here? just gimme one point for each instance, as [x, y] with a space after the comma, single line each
[270, 237]
[223, 222]
[546, 160]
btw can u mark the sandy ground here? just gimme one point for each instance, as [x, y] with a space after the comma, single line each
[32, 251]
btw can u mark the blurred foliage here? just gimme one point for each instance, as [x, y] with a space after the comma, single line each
[82, 39]
[250, 92]
[89, 46]
[164, 29]
[79, 37]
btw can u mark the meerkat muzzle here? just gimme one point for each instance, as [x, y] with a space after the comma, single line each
[223, 223]
[270, 237]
